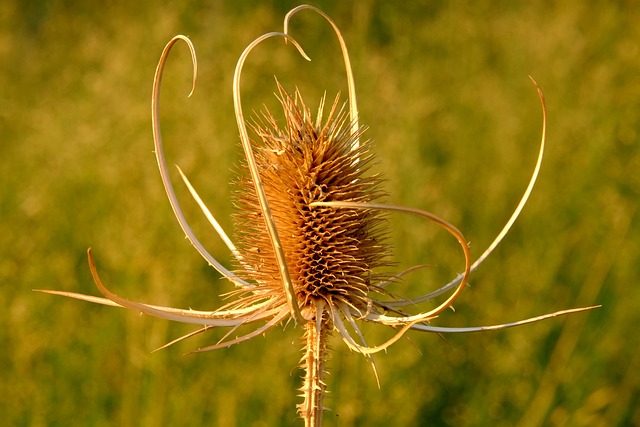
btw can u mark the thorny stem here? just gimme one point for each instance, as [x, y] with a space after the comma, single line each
[313, 362]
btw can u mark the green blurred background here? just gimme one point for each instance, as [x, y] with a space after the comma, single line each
[444, 90]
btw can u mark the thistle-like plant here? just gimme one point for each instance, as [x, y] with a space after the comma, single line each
[311, 230]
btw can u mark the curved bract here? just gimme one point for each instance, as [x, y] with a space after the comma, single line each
[351, 85]
[255, 174]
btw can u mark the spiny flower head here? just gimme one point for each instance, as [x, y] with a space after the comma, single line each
[331, 253]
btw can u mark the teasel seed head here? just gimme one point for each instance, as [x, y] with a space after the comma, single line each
[332, 254]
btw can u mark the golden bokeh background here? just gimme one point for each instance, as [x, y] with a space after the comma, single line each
[443, 89]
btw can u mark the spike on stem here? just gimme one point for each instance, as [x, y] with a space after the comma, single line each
[313, 362]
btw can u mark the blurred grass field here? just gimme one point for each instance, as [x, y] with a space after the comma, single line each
[444, 91]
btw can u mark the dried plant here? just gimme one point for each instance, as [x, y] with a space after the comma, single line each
[312, 233]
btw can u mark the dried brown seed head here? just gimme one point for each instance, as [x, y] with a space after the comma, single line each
[331, 253]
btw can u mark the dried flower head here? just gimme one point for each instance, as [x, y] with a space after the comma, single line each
[331, 253]
[311, 227]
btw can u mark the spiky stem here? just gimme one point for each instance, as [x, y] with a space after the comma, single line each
[314, 387]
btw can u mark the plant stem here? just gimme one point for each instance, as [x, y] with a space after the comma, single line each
[314, 387]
